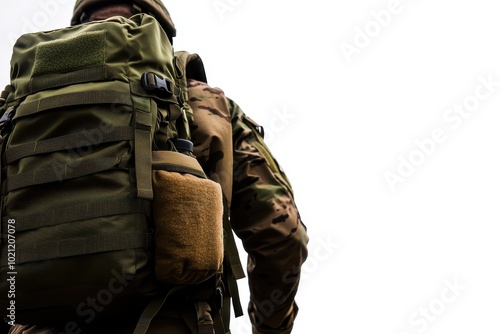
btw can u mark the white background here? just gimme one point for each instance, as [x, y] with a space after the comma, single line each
[381, 259]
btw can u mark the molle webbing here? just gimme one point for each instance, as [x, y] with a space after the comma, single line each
[102, 242]
[66, 172]
[66, 142]
[62, 215]
[72, 99]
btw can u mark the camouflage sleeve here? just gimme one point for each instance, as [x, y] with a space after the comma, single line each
[264, 216]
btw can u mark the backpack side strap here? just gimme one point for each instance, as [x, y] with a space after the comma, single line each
[152, 310]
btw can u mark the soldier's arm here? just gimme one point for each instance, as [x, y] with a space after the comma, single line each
[264, 216]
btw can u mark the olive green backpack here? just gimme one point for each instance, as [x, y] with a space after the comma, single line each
[104, 206]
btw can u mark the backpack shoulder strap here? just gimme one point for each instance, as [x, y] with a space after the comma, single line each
[189, 66]
[192, 65]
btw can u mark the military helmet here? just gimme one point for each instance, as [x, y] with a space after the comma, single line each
[153, 7]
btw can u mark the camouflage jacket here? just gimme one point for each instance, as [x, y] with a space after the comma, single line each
[262, 208]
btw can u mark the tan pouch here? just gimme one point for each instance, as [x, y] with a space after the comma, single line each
[187, 213]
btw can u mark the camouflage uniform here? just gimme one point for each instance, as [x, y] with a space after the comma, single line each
[263, 213]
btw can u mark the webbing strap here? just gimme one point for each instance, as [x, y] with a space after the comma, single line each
[68, 142]
[205, 322]
[177, 162]
[81, 246]
[71, 99]
[80, 212]
[234, 293]
[143, 146]
[189, 319]
[220, 324]
[152, 310]
[217, 319]
[59, 173]
[235, 268]
[49, 81]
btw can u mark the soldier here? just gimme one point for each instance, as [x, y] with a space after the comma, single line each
[262, 208]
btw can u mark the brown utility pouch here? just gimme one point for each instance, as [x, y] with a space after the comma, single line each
[188, 219]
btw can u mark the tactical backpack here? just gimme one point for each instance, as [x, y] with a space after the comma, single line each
[104, 206]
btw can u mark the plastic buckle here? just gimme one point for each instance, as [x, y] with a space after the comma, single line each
[153, 82]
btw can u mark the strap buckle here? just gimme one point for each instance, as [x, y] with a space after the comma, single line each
[153, 82]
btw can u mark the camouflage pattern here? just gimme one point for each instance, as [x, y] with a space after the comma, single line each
[263, 212]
